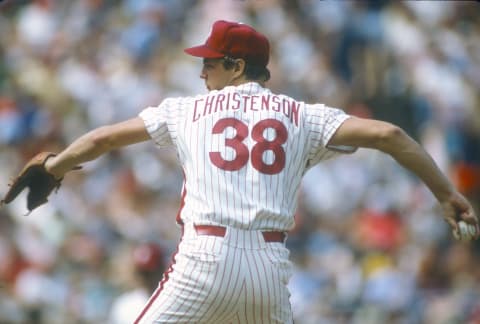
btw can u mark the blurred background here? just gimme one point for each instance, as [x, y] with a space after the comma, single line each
[369, 246]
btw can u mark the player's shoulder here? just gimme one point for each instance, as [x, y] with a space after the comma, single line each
[177, 99]
[316, 109]
[178, 102]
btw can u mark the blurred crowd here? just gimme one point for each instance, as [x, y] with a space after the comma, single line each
[370, 245]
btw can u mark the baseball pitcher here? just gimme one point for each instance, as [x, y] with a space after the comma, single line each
[243, 150]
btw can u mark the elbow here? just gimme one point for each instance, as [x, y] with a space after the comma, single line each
[101, 140]
[388, 136]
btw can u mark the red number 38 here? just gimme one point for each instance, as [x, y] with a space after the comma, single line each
[262, 145]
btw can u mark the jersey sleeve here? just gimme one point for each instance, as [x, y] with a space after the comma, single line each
[160, 122]
[322, 122]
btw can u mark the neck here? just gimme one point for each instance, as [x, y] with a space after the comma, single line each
[243, 80]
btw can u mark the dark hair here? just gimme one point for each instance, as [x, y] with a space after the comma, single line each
[252, 71]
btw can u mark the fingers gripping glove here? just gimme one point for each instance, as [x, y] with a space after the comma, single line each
[37, 179]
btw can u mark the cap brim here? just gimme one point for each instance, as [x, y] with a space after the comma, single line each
[203, 51]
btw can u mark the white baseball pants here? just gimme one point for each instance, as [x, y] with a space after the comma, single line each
[238, 278]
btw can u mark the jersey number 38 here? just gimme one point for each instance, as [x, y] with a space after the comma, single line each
[262, 144]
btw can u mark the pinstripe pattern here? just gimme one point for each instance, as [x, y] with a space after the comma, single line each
[235, 279]
[245, 198]
[269, 141]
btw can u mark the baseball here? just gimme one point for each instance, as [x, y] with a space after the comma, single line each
[465, 232]
[473, 230]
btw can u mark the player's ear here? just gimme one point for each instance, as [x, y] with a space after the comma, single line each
[239, 67]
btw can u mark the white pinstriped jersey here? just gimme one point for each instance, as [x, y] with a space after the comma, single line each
[244, 151]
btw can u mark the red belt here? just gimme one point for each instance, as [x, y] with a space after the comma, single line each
[213, 230]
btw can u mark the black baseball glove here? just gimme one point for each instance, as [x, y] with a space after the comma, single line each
[37, 179]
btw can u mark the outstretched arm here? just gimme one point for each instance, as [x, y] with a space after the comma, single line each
[97, 142]
[390, 139]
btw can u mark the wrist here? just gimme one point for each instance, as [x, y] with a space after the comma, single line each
[442, 188]
[52, 167]
[446, 195]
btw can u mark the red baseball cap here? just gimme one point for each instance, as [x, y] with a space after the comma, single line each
[236, 40]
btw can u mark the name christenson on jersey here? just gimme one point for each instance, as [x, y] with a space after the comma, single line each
[234, 101]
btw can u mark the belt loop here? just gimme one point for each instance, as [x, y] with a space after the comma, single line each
[210, 230]
[278, 237]
[221, 231]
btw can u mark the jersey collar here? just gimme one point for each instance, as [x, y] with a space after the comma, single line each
[247, 88]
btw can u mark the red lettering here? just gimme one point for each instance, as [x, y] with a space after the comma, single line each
[253, 102]
[208, 105]
[294, 113]
[236, 98]
[276, 101]
[227, 105]
[286, 108]
[219, 102]
[196, 116]
[265, 102]
[245, 99]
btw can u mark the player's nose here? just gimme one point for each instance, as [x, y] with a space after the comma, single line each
[203, 75]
